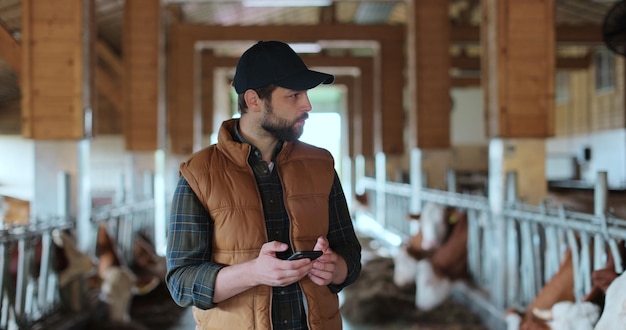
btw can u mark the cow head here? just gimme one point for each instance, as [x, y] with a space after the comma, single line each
[615, 305]
[430, 289]
[433, 227]
[117, 290]
[405, 268]
[569, 315]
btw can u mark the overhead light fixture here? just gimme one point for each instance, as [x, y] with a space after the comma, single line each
[306, 48]
[286, 3]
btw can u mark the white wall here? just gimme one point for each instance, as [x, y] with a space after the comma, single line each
[608, 153]
[467, 122]
[108, 161]
[17, 167]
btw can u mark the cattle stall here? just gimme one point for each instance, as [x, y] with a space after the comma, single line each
[32, 265]
[28, 272]
[513, 248]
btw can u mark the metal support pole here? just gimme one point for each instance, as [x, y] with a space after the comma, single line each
[600, 197]
[63, 194]
[512, 280]
[416, 182]
[451, 180]
[148, 185]
[359, 173]
[381, 178]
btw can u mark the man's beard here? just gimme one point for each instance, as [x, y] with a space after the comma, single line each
[282, 129]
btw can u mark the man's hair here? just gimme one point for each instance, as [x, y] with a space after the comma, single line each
[264, 93]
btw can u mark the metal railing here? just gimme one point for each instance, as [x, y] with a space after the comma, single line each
[28, 272]
[125, 221]
[515, 251]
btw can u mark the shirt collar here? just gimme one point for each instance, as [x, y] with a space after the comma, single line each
[239, 138]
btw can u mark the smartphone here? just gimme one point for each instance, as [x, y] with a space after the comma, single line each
[305, 254]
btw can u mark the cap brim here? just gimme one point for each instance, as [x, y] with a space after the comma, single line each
[305, 80]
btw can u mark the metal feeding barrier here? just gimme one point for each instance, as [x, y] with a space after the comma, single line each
[27, 272]
[31, 296]
[515, 249]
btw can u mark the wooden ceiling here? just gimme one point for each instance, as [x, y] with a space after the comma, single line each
[581, 15]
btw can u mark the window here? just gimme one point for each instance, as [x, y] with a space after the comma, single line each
[605, 70]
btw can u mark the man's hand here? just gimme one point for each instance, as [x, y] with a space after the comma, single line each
[330, 267]
[267, 269]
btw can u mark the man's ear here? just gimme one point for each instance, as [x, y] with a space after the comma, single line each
[252, 100]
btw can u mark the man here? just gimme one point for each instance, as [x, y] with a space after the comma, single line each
[245, 204]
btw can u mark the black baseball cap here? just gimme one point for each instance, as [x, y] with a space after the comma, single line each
[274, 62]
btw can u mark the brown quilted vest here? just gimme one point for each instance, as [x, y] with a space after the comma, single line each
[306, 173]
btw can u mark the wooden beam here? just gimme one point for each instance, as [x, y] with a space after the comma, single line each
[142, 21]
[299, 33]
[429, 75]
[464, 62]
[10, 118]
[181, 123]
[389, 115]
[310, 60]
[579, 34]
[10, 51]
[57, 57]
[459, 34]
[361, 118]
[207, 89]
[566, 34]
[519, 68]
[109, 87]
[573, 63]
[465, 81]
[327, 14]
[109, 57]
[174, 13]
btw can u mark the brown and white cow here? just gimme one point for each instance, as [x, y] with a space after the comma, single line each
[614, 313]
[119, 281]
[554, 307]
[435, 257]
[78, 263]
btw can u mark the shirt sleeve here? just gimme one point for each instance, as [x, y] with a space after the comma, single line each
[341, 235]
[190, 275]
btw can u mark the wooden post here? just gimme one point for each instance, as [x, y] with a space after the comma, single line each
[10, 51]
[389, 116]
[57, 58]
[180, 114]
[518, 42]
[141, 36]
[429, 74]
[181, 52]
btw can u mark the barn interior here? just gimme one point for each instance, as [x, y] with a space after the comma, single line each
[514, 111]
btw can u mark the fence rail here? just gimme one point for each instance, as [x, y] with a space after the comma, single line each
[30, 290]
[27, 272]
[514, 251]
